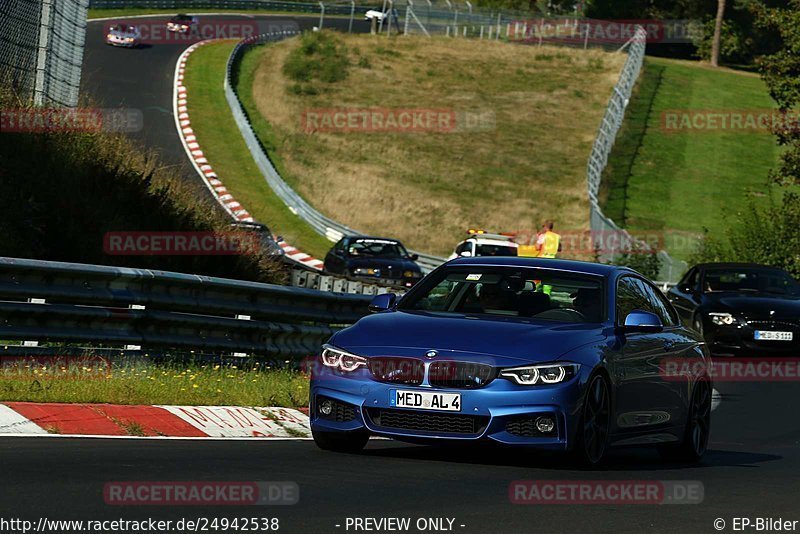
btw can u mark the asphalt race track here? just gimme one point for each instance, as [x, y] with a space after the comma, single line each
[752, 469]
[143, 78]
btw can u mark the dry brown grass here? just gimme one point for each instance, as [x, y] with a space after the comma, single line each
[427, 188]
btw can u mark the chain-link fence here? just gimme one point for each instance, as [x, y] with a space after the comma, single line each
[601, 225]
[41, 49]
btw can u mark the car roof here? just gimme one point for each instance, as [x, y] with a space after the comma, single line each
[729, 265]
[548, 263]
[356, 237]
[491, 241]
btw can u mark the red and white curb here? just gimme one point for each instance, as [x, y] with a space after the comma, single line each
[111, 420]
[300, 256]
[204, 168]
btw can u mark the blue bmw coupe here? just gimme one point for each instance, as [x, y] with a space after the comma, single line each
[542, 353]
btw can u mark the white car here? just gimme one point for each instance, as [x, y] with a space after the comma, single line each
[374, 14]
[480, 243]
[125, 35]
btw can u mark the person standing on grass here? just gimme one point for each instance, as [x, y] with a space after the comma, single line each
[548, 244]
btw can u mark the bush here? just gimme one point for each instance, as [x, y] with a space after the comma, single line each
[767, 235]
[321, 56]
[641, 260]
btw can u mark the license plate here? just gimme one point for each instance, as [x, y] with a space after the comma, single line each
[769, 335]
[428, 400]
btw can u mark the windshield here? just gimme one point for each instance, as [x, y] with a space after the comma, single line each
[750, 280]
[496, 250]
[511, 292]
[377, 248]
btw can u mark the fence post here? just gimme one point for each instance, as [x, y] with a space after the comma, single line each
[321, 15]
[45, 26]
[352, 15]
[541, 31]
[405, 24]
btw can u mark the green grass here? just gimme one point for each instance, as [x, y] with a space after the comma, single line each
[208, 385]
[680, 183]
[227, 152]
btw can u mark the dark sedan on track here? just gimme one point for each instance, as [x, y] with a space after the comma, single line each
[540, 353]
[373, 258]
[741, 309]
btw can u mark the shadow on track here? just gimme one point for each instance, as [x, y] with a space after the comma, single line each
[623, 459]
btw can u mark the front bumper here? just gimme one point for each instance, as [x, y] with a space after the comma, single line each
[122, 43]
[739, 340]
[500, 412]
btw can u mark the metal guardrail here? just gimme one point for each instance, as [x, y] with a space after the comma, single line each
[60, 302]
[601, 225]
[319, 222]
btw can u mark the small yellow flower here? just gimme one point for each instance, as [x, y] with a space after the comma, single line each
[195, 386]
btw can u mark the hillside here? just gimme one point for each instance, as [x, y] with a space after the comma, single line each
[536, 109]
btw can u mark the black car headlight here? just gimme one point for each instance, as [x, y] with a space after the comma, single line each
[341, 359]
[723, 318]
[537, 375]
[411, 274]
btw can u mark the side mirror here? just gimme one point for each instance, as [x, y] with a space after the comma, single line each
[414, 257]
[382, 302]
[466, 254]
[643, 321]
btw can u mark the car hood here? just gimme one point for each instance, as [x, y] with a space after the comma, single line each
[761, 304]
[382, 263]
[499, 341]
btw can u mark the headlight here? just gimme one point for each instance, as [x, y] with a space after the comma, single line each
[340, 359]
[722, 318]
[409, 274]
[534, 375]
[367, 272]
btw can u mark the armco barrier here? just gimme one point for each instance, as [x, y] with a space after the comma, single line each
[319, 222]
[46, 301]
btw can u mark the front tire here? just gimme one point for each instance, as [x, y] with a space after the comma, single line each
[350, 442]
[698, 428]
[593, 433]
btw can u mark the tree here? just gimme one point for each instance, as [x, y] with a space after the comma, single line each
[717, 33]
[781, 73]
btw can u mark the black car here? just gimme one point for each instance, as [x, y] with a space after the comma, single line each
[373, 258]
[741, 309]
[266, 243]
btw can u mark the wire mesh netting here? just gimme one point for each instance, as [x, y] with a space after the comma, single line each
[41, 49]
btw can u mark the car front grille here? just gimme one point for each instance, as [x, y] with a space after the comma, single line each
[436, 423]
[403, 371]
[461, 375]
